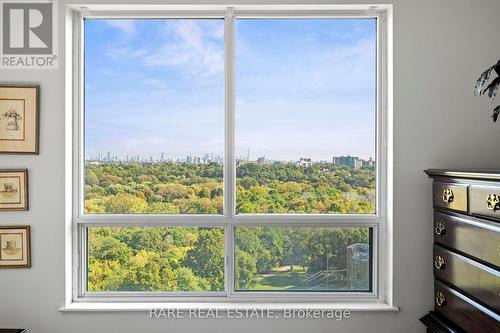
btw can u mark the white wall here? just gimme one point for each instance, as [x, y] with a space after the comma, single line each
[440, 48]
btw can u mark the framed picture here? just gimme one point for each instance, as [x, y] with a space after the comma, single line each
[15, 247]
[13, 189]
[19, 119]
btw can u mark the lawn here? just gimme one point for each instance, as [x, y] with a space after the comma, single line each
[284, 278]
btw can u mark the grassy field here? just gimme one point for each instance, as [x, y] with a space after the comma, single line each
[284, 278]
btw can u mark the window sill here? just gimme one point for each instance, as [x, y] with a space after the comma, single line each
[224, 306]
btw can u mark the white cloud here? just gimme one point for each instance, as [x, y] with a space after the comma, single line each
[126, 26]
[320, 73]
[155, 83]
[117, 52]
[190, 45]
[218, 32]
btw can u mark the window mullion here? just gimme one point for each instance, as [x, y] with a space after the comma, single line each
[229, 157]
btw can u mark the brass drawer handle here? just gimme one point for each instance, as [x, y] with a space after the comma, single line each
[439, 262]
[440, 299]
[447, 196]
[493, 202]
[439, 229]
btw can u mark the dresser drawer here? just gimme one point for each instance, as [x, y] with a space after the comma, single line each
[437, 323]
[450, 196]
[466, 313]
[485, 200]
[477, 280]
[474, 237]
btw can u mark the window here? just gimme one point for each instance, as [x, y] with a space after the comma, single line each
[231, 154]
[155, 259]
[154, 111]
[302, 259]
[305, 96]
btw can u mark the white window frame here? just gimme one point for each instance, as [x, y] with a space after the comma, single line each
[77, 298]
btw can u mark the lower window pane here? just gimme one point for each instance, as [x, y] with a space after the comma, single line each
[308, 259]
[155, 259]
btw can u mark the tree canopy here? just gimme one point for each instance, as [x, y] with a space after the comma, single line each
[192, 258]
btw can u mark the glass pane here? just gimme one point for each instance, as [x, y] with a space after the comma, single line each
[303, 259]
[305, 116]
[155, 259]
[154, 110]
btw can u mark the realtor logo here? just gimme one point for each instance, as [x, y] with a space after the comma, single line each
[28, 35]
[27, 28]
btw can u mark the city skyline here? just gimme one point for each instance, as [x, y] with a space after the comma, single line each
[218, 156]
[211, 157]
[307, 89]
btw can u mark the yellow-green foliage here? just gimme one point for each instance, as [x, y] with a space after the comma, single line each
[168, 188]
[191, 258]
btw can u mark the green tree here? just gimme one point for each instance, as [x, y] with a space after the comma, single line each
[125, 203]
[245, 269]
[206, 258]
[186, 280]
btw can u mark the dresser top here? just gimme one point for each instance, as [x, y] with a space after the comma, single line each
[493, 174]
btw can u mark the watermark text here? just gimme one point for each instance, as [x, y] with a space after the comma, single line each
[250, 313]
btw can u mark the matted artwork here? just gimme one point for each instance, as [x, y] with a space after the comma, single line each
[13, 190]
[15, 247]
[19, 119]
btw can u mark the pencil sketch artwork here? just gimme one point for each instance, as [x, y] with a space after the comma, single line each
[11, 246]
[9, 190]
[11, 120]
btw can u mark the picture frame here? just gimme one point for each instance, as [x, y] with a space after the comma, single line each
[19, 119]
[14, 190]
[15, 246]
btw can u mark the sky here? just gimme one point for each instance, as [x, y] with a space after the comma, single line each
[304, 87]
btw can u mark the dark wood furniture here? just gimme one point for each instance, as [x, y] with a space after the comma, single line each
[466, 253]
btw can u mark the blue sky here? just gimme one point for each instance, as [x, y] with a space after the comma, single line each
[305, 88]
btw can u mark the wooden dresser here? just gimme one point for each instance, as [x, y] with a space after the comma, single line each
[466, 252]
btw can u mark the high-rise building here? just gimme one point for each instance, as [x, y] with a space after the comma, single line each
[369, 163]
[358, 164]
[346, 160]
[353, 161]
